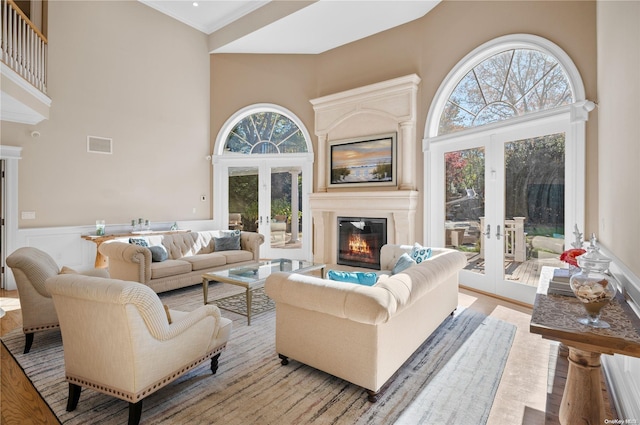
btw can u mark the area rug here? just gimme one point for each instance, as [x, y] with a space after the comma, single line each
[452, 378]
[237, 303]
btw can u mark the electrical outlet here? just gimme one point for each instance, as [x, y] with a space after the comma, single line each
[28, 215]
[194, 210]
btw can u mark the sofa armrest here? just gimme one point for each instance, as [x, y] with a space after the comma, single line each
[364, 304]
[251, 241]
[128, 261]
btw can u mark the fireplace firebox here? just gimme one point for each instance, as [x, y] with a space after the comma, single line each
[360, 240]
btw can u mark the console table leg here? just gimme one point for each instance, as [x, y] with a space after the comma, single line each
[582, 401]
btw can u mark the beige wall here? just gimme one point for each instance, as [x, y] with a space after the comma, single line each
[125, 71]
[619, 129]
[429, 47]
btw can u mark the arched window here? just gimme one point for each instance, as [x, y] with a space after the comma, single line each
[505, 149]
[508, 84]
[262, 178]
[265, 132]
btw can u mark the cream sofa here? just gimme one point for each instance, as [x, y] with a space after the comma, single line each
[363, 334]
[189, 256]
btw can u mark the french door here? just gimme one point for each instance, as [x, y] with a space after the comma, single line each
[270, 197]
[501, 198]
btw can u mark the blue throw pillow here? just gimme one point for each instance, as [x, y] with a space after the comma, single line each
[404, 262]
[139, 242]
[227, 243]
[361, 278]
[419, 253]
[235, 232]
[158, 253]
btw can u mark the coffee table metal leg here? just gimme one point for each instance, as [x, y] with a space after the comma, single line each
[205, 289]
[249, 302]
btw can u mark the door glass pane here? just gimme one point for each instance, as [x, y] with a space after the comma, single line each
[286, 207]
[464, 204]
[243, 198]
[533, 232]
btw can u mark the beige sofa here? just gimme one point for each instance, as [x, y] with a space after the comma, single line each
[363, 334]
[189, 256]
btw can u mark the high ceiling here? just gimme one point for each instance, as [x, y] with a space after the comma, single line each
[294, 27]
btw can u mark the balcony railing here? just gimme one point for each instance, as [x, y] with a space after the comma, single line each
[24, 47]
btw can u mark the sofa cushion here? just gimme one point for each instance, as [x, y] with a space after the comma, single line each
[404, 262]
[237, 256]
[206, 261]
[169, 268]
[158, 253]
[362, 278]
[227, 243]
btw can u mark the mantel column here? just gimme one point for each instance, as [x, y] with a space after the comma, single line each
[408, 158]
[322, 162]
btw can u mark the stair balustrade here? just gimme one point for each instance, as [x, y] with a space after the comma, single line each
[23, 46]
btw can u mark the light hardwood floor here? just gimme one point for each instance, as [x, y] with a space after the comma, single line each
[529, 393]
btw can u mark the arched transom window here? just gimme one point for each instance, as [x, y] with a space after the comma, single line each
[508, 84]
[265, 132]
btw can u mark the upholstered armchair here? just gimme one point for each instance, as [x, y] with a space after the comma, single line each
[119, 340]
[31, 267]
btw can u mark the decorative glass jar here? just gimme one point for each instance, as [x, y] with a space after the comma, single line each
[592, 285]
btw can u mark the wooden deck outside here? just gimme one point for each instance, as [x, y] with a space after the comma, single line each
[526, 272]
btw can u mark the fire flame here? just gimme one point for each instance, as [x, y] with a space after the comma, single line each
[356, 244]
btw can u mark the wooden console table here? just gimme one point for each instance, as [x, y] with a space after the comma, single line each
[102, 261]
[555, 317]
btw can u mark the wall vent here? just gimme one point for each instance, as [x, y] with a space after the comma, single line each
[99, 145]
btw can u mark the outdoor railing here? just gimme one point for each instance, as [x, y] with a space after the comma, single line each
[23, 46]
[514, 243]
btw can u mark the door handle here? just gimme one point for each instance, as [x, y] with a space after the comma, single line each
[498, 232]
[488, 232]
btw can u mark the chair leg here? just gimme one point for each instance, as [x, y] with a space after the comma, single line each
[28, 341]
[135, 412]
[74, 396]
[214, 363]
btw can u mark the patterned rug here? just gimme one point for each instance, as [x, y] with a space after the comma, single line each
[260, 303]
[452, 378]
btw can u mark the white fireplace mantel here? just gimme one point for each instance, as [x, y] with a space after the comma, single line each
[398, 207]
[384, 107]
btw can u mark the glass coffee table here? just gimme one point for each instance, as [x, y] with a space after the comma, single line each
[252, 277]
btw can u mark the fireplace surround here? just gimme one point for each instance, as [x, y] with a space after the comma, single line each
[385, 107]
[360, 240]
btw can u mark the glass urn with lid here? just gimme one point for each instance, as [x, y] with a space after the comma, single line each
[592, 285]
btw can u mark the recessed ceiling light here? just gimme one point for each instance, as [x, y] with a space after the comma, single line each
[195, 4]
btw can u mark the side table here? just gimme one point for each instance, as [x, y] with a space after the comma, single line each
[555, 318]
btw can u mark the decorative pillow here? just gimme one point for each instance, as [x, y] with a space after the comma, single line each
[139, 242]
[166, 310]
[419, 253]
[67, 270]
[362, 278]
[404, 262]
[158, 253]
[227, 243]
[235, 232]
